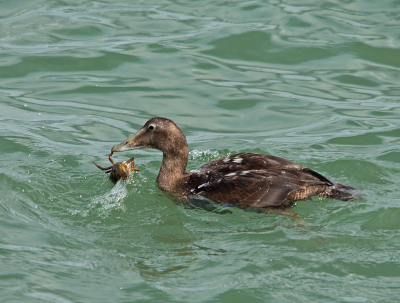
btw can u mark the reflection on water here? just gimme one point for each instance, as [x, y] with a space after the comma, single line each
[315, 83]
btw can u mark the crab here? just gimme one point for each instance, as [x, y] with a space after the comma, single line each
[119, 170]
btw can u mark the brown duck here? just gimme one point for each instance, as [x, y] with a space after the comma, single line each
[245, 179]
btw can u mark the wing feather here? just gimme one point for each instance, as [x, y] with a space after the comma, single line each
[256, 180]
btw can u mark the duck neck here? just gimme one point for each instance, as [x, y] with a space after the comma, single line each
[172, 169]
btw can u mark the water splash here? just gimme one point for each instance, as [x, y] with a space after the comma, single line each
[109, 201]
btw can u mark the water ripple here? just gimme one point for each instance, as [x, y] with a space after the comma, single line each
[313, 82]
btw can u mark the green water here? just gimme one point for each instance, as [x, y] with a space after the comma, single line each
[315, 82]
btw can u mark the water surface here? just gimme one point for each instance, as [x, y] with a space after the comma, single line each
[313, 82]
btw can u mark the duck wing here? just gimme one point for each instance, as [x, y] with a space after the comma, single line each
[260, 188]
[251, 161]
[257, 180]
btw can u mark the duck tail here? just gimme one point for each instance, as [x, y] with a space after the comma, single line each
[343, 192]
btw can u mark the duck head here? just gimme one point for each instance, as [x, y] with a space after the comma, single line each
[159, 133]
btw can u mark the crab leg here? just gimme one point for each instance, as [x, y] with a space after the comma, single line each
[102, 168]
[130, 160]
[111, 160]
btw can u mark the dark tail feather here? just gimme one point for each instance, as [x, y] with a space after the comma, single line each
[343, 192]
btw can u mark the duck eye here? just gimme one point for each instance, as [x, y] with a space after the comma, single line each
[151, 127]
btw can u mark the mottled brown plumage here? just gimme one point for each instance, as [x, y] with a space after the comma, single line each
[245, 179]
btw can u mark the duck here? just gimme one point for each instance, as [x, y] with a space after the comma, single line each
[244, 179]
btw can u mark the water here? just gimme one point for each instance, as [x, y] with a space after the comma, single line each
[314, 82]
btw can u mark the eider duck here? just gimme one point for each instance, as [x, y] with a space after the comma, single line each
[244, 180]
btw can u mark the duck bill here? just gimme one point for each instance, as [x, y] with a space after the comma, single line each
[130, 143]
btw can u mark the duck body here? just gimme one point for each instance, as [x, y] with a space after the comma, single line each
[245, 179]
